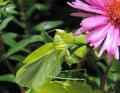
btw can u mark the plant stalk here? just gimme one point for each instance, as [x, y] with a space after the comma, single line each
[104, 77]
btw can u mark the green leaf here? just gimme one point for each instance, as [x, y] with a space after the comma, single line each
[112, 77]
[115, 68]
[114, 71]
[18, 58]
[48, 25]
[81, 51]
[37, 6]
[22, 44]
[115, 88]
[1, 2]
[8, 39]
[46, 37]
[94, 81]
[5, 22]
[38, 73]
[19, 23]
[10, 8]
[66, 87]
[39, 53]
[7, 78]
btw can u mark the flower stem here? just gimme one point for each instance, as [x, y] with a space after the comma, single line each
[104, 77]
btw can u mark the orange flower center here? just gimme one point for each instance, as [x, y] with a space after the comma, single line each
[113, 11]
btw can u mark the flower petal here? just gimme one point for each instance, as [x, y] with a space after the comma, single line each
[94, 21]
[81, 30]
[98, 33]
[97, 43]
[81, 5]
[82, 14]
[97, 3]
[97, 36]
[111, 42]
[117, 54]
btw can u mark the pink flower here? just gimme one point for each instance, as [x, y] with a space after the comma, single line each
[102, 19]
